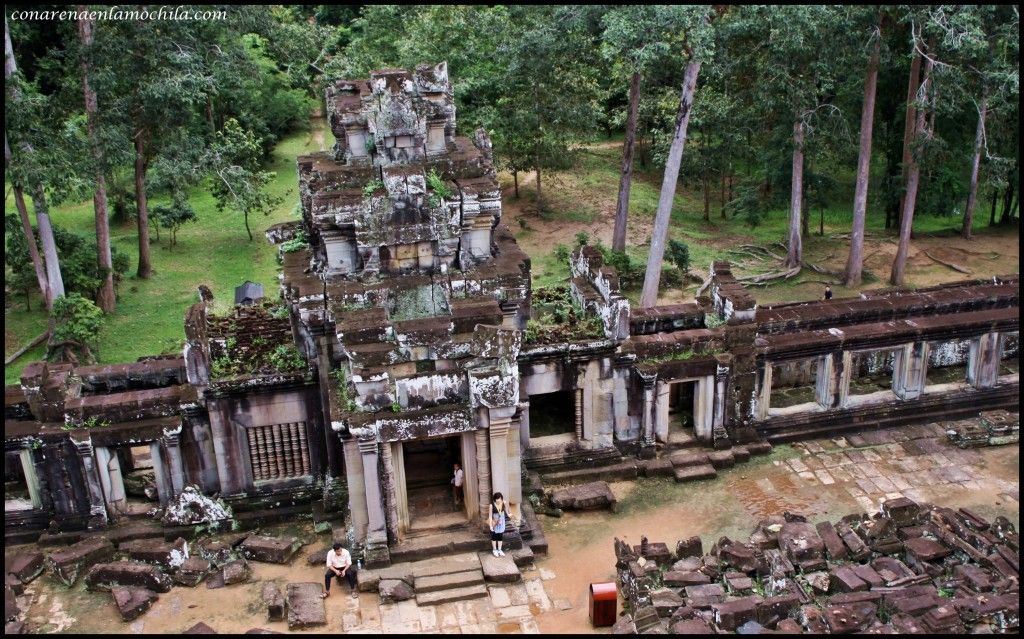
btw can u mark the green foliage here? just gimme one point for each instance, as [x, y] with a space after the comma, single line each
[437, 184]
[396, 407]
[341, 378]
[582, 238]
[712, 321]
[372, 187]
[561, 252]
[630, 271]
[92, 422]
[558, 319]
[173, 215]
[297, 243]
[77, 322]
[286, 358]
[278, 312]
[679, 254]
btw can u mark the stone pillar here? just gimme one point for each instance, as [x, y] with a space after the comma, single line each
[331, 456]
[388, 490]
[515, 463]
[163, 489]
[909, 370]
[376, 550]
[28, 468]
[718, 431]
[842, 373]
[661, 419]
[704, 408]
[498, 433]
[764, 395]
[483, 469]
[823, 384]
[983, 365]
[578, 413]
[524, 426]
[172, 442]
[356, 489]
[620, 397]
[94, 489]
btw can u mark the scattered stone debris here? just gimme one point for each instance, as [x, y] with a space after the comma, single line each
[25, 565]
[169, 555]
[909, 568]
[233, 572]
[132, 601]
[591, 496]
[192, 571]
[992, 428]
[193, 507]
[200, 628]
[394, 590]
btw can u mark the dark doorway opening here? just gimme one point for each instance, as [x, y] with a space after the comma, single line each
[428, 474]
[680, 404]
[552, 413]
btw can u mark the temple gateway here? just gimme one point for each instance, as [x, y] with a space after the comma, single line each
[408, 337]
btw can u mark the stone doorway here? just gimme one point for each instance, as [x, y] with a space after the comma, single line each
[424, 483]
[681, 406]
[552, 414]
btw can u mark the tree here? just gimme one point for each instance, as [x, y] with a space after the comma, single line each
[239, 184]
[699, 19]
[174, 215]
[24, 114]
[855, 260]
[105, 297]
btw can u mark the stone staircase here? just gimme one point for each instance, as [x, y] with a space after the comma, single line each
[692, 463]
[447, 579]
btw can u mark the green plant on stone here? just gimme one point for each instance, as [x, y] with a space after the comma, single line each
[396, 407]
[372, 187]
[285, 358]
[297, 243]
[437, 184]
[713, 321]
[279, 312]
[582, 238]
[370, 144]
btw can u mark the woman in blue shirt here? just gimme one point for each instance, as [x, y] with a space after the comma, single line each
[496, 522]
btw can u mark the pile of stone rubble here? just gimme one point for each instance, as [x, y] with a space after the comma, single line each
[912, 568]
[992, 428]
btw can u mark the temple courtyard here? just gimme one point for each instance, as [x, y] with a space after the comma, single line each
[820, 479]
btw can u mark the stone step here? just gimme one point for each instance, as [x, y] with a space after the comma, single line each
[740, 453]
[758, 448]
[687, 458]
[438, 545]
[451, 581]
[438, 597]
[692, 473]
[623, 470]
[681, 439]
[721, 459]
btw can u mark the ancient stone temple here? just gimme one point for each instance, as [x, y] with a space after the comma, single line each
[408, 337]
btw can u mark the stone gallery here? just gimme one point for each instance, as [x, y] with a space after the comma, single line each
[408, 338]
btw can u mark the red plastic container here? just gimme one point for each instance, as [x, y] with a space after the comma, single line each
[604, 599]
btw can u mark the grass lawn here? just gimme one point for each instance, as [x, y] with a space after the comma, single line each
[149, 318]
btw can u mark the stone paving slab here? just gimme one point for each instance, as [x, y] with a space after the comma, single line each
[499, 569]
[305, 607]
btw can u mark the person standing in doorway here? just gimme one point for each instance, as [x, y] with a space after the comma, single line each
[457, 480]
[496, 522]
[339, 565]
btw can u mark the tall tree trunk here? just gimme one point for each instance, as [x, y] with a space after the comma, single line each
[540, 192]
[105, 297]
[908, 123]
[622, 205]
[53, 275]
[722, 196]
[54, 286]
[145, 267]
[1007, 205]
[992, 215]
[899, 264]
[659, 236]
[794, 254]
[706, 187]
[515, 181]
[972, 192]
[805, 214]
[30, 237]
[855, 261]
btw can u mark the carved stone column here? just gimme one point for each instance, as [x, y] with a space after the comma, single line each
[483, 467]
[842, 373]
[661, 391]
[163, 488]
[172, 442]
[764, 395]
[376, 552]
[647, 417]
[388, 490]
[823, 384]
[498, 433]
[718, 431]
[909, 370]
[983, 365]
[356, 489]
[97, 505]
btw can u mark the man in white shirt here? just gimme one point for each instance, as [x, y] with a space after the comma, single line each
[457, 485]
[339, 564]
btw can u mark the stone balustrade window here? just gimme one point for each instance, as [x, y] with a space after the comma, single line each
[278, 451]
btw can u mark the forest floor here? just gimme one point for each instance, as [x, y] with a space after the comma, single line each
[215, 250]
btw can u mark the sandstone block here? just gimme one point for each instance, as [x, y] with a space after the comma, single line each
[132, 601]
[25, 565]
[67, 563]
[499, 569]
[166, 554]
[394, 590]
[192, 571]
[273, 599]
[127, 573]
[591, 496]
[274, 550]
[305, 607]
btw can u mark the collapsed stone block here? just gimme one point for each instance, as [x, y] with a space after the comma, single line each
[849, 618]
[132, 601]
[192, 571]
[691, 547]
[25, 565]
[394, 590]
[273, 599]
[732, 614]
[702, 597]
[305, 607]
[127, 573]
[200, 628]
[66, 564]
[802, 545]
[902, 511]
[681, 579]
[591, 496]
[665, 601]
[834, 546]
[844, 579]
[275, 550]
[166, 554]
[739, 556]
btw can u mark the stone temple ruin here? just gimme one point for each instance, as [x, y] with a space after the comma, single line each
[403, 342]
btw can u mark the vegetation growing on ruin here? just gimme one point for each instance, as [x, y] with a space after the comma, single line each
[297, 243]
[344, 396]
[439, 189]
[373, 186]
[558, 319]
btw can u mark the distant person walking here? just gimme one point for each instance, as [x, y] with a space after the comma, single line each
[339, 564]
[496, 522]
[828, 292]
[457, 480]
